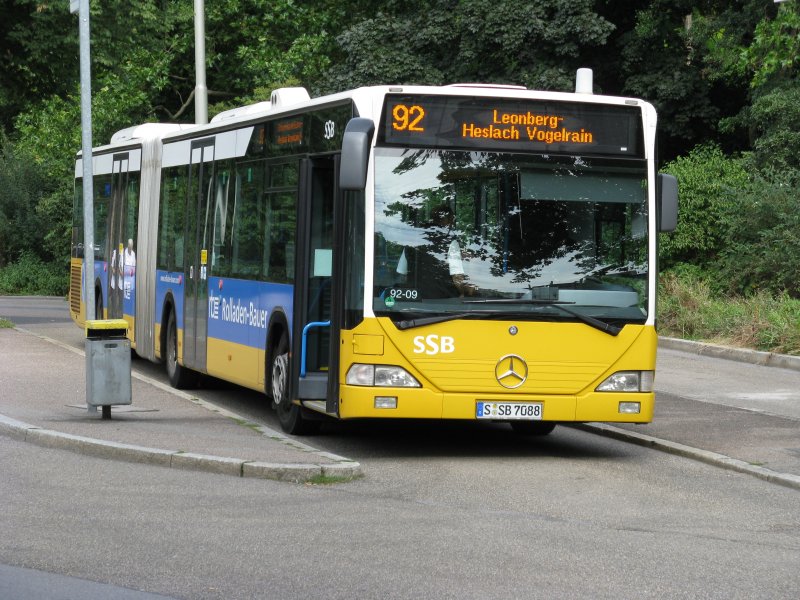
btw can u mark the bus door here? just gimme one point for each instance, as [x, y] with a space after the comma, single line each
[116, 234]
[315, 321]
[199, 223]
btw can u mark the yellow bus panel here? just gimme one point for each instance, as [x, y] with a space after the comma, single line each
[459, 363]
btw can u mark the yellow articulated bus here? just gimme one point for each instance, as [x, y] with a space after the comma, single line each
[458, 252]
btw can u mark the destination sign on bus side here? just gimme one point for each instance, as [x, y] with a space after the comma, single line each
[315, 131]
[288, 131]
[514, 125]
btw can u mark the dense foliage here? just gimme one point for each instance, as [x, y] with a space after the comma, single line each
[31, 276]
[23, 186]
[723, 76]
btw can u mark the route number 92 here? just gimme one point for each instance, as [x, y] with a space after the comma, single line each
[408, 118]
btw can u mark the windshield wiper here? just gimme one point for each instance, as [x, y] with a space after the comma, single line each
[608, 328]
[421, 322]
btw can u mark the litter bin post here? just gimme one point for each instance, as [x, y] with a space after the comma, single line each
[108, 364]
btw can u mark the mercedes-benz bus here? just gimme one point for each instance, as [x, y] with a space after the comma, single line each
[472, 252]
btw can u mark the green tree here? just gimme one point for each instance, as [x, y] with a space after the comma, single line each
[39, 49]
[41, 46]
[774, 120]
[661, 50]
[774, 53]
[22, 186]
[762, 252]
[766, 59]
[538, 44]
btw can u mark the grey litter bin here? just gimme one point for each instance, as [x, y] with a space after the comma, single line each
[108, 364]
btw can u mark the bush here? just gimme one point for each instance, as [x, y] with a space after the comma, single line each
[29, 276]
[708, 181]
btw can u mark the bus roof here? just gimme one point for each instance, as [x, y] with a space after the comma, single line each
[368, 101]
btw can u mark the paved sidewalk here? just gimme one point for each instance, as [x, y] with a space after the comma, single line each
[43, 400]
[734, 408]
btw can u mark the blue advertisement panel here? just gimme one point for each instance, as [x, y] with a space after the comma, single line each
[169, 282]
[239, 311]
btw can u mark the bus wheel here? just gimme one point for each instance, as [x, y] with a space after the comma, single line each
[179, 376]
[538, 428]
[290, 415]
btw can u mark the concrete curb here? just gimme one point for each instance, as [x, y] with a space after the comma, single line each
[706, 456]
[755, 357]
[296, 473]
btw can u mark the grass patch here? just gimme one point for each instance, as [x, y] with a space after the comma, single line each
[689, 309]
[249, 424]
[5, 324]
[330, 479]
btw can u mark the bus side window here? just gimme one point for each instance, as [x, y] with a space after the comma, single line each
[247, 241]
[102, 196]
[172, 218]
[280, 219]
[279, 231]
[220, 248]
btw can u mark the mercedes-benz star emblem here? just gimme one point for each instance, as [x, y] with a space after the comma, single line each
[511, 371]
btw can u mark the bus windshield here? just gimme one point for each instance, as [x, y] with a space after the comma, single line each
[501, 234]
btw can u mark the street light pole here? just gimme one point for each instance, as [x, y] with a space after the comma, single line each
[82, 8]
[200, 90]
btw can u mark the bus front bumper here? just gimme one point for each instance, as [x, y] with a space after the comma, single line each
[403, 403]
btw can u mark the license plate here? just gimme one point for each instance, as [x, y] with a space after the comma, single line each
[525, 411]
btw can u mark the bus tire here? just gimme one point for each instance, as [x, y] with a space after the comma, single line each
[532, 428]
[180, 377]
[291, 416]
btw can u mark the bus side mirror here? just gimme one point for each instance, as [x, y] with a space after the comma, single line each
[667, 202]
[355, 154]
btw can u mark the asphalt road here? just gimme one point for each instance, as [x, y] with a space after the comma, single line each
[444, 511]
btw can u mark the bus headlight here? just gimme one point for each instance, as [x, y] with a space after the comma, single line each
[380, 376]
[628, 381]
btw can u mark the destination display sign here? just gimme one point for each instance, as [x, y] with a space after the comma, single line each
[288, 131]
[504, 124]
[320, 130]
